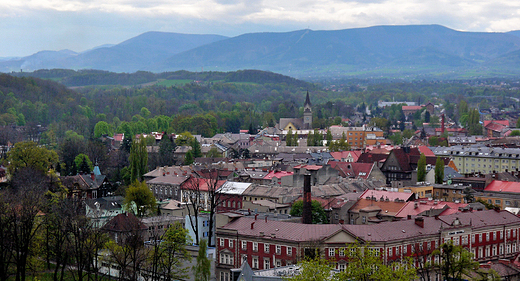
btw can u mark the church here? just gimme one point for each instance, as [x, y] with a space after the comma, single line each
[295, 124]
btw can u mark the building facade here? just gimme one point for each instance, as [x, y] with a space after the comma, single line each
[489, 235]
[481, 159]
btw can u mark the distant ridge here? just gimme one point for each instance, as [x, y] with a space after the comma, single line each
[377, 50]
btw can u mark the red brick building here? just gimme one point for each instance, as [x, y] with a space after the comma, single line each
[489, 235]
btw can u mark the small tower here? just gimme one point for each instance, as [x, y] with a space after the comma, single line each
[307, 113]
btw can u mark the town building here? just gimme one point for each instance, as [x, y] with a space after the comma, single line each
[481, 159]
[489, 235]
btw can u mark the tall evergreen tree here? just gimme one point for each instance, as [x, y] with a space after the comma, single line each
[195, 148]
[421, 168]
[439, 171]
[188, 158]
[202, 270]
[138, 160]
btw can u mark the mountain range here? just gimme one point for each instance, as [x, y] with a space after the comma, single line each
[378, 50]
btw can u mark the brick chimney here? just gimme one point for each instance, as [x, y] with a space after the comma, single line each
[419, 221]
[442, 124]
[307, 204]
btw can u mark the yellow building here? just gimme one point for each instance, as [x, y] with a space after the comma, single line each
[419, 191]
[485, 160]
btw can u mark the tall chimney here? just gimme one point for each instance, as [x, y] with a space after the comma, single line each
[442, 124]
[307, 205]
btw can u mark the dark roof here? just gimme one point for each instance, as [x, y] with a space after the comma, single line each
[124, 223]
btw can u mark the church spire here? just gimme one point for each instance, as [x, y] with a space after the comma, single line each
[307, 101]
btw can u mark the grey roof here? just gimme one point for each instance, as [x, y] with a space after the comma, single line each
[106, 203]
[477, 151]
[297, 122]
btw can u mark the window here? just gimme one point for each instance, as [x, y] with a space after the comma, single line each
[494, 235]
[278, 263]
[278, 249]
[480, 237]
[389, 252]
[342, 267]
[255, 262]
[332, 252]
[230, 243]
[397, 250]
[221, 242]
[405, 249]
[244, 245]
[497, 202]
[289, 251]
[224, 276]
[267, 264]
[341, 252]
[255, 246]
[487, 236]
[266, 248]
[473, 238]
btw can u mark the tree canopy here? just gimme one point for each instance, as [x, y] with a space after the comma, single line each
[318, 213]
[29, 154]
[139, 199]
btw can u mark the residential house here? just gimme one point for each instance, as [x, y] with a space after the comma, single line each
[368, 171]
[101, 210]
[87, 186]
[158, 225]
[122, 226]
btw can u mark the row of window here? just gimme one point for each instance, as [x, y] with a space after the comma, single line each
[266, 246]
[231, 204]
[494, 250]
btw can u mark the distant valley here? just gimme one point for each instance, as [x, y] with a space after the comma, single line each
[379, 51]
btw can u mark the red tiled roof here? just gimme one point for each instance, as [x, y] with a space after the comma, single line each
[495, 127]
[412, 107]
[392, 196]
[119, 137]
[503, 186]
[414, 208]
[502, 122]
[278, 174]
[352, 170]
[201, 184]
[339, 155]
[390, 208]
[425, 150]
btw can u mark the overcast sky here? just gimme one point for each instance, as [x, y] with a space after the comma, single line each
[28, 26]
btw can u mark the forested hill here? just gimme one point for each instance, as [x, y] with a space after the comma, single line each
[229, 101]
[74, 78]
[32, 100]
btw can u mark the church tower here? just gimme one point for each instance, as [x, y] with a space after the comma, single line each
[307, 113]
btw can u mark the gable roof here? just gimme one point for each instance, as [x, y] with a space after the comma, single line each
[124, 223]
[353, 170]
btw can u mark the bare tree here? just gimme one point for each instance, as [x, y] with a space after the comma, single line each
[215, 198]
[26, 198]
[194, 198]
[422, 251]
[6, 251]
